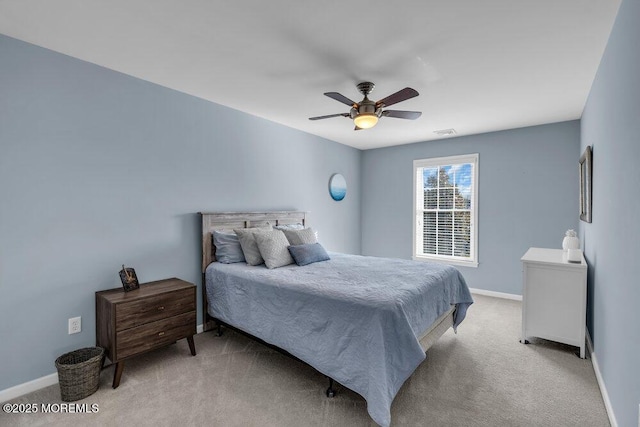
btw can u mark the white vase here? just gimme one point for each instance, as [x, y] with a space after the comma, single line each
[570, 242]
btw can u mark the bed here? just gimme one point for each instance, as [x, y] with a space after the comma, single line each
[365, 322]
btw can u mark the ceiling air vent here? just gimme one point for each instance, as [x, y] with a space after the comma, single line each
[445, 132]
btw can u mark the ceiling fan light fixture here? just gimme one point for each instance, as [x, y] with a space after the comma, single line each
[365, 114]
[365, 120]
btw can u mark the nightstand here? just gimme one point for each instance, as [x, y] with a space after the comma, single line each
[157, 314]
[554, 297]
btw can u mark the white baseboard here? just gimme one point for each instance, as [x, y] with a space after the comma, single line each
[603, 388]
[589, 342]
[24, 388]
[42, 382]
[496, 294]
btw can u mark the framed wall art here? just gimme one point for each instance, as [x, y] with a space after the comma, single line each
[337, 187]
[585, 168]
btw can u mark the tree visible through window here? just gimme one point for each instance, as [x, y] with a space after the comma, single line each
[445, 207]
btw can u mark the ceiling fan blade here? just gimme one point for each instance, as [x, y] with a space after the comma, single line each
[341, 98]
[329, 116]
[411, 115]
[399, 96]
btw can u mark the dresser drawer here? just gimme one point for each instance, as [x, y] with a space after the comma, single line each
[155, 334]
[156, 307]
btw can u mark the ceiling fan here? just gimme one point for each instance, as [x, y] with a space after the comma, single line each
[365, 114]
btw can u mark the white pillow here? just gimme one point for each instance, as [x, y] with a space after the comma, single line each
[247, 239]
[273, 246]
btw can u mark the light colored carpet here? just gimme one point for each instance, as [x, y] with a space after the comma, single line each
[480, 377]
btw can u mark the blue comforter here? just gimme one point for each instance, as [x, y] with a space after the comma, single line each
[355, 319]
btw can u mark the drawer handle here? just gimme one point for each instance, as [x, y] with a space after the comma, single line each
[161, 334]
[161, 308]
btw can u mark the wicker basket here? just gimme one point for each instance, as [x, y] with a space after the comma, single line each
[79, 373]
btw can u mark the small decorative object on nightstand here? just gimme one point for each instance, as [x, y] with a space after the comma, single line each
[554, 297]
[129, 279]
[574, 255]
[570, 240]
[157, 314]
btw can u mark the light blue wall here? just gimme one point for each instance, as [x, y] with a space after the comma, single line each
[528, 196]
[611, 125]
[99, 169]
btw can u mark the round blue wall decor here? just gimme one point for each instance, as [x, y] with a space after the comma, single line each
[337, 187]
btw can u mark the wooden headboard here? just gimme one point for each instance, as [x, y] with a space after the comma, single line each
[212, 221]
[230, 220]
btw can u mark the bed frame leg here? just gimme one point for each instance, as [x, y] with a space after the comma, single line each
[330, 391]
[219, 333]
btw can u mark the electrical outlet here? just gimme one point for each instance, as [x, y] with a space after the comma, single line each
[75, 325]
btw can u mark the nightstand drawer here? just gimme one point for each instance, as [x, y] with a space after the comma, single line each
[139, 312]
[155, 334]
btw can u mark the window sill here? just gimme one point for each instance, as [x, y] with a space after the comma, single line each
[460, 263]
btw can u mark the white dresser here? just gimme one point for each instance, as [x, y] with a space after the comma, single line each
[554, 297]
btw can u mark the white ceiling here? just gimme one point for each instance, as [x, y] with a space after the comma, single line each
[479, 65]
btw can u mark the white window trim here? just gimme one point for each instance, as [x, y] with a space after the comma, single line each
[468, 158]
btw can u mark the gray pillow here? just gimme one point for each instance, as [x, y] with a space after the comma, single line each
[301, 237]
[308, 254]
[249, 245]
[228, 249]
[273, 248]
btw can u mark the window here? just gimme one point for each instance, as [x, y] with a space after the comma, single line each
[445, 206]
